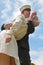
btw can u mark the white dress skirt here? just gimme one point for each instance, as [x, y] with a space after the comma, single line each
[10, 48]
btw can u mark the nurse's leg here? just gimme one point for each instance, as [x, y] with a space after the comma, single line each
[4, 59]
[12, 61]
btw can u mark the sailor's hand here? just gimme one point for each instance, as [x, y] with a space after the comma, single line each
[33, 15]
[34, 19]
[8, 39]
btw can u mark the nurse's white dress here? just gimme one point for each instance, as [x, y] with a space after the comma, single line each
[10, 48]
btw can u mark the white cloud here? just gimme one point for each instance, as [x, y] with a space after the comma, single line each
[39, 55]
[33, 35]
[40, 2]
[22, 0]
[33, 52]
[15, 14]
[40, 10]
[40, 37]
[25, 2]
[39, 60]
[7, 5]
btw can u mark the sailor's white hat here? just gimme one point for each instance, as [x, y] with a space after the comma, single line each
[25, 7]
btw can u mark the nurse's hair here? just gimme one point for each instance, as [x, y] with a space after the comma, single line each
[2, 27]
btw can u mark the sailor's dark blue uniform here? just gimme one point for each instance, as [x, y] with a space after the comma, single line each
[23, 46]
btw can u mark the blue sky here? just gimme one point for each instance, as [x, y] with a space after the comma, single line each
[9, 9]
